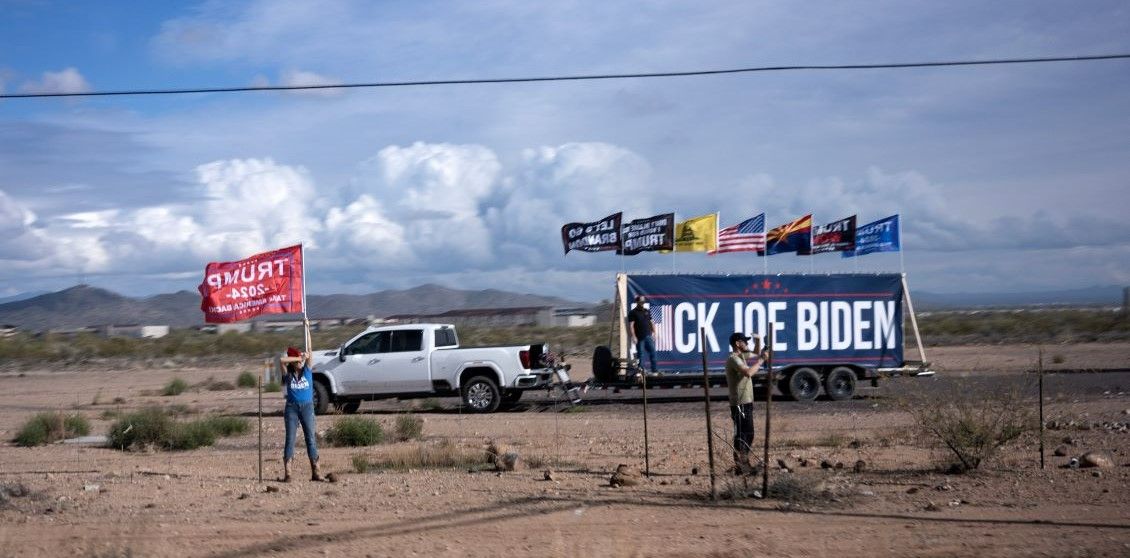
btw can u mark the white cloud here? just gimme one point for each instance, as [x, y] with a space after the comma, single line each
[68, 80]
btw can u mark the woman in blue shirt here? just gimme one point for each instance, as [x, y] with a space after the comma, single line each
[299, 409]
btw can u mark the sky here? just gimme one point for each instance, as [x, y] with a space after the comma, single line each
[1007, 177]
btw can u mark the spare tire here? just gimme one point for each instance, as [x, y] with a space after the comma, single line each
[602, 367]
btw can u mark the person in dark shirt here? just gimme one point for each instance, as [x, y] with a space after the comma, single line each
[642, 329]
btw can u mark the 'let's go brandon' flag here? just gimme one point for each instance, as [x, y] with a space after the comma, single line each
[597, 236]
[267, 283]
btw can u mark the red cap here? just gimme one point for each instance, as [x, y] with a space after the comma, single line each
[293, 352]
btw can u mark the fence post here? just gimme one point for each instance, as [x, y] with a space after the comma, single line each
[709, 425]
[768, 411]
[1040, 373]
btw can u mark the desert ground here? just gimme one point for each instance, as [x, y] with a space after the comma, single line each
[84, 500]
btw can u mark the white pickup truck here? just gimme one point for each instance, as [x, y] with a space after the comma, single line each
[424, 360]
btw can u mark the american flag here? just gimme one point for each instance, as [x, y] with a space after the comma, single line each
[664, 335]
[747, 236]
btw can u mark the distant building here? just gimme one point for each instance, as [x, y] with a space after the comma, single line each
[574, 317]
[541, 316]
[8, 330]
[135, 330]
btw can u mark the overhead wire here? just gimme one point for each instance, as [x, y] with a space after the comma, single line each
[582, 77]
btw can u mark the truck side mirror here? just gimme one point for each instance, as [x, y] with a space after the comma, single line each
[341, 353]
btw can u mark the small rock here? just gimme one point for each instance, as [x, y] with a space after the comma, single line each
[92, 488]
[944, 487]
[855, 444]
[663, 483]
[825, 464]
[624, 476]
[839, 464]
[272, 488]
[1097, 474]
[930, 506]
[694, 471]
[1126, 411]
[244, 496]
[687, 480]
[1069, 440]
[912, 490]
[1073, 463]
[860, 466]
[1061, 451]
[782, 465]
[955, 503]
[1096, 459]
[548, 475]
[332, 477]
[804, 463]
[866, 493]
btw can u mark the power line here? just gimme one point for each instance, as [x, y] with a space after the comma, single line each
[586, 77]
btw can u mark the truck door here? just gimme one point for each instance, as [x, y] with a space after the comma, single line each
[404, 366]
[359, 374]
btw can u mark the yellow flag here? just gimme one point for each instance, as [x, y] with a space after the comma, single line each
[698, 234]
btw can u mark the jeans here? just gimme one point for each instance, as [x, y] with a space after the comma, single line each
[293, 414]
[646, 344]
[742, 415]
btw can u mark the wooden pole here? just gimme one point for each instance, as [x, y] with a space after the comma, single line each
[709, 425]
[646, 444]
[261, 425]
[1040, 373]
[913, 318]
[768, 411]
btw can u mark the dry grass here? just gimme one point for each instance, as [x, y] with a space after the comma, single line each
[444, 455]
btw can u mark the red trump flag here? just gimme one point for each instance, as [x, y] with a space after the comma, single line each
[267, 283]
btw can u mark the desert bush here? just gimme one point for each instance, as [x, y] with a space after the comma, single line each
[12, 490]
[45, 428]
[272, 387]
[355, 431]
[176, 386]
[431, 404]
[154, 427]
[972, 425]
[246, 380]
[408, 427]
[1058, 359]
[444, 455]
[110, 414]
[147, 427]
[225, 426]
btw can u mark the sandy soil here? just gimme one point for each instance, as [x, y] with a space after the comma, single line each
[91, 501]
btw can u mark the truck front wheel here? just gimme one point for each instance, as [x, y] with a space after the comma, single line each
[803, 384]
[321, 398]
[840, 383]
[481, 395]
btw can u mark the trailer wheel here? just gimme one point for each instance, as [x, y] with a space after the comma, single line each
[481, 395]
[840, 383]
[602, 364]
[803, 384]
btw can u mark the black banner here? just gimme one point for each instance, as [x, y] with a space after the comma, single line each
[837, 236]
[649, 234]
[597, 236]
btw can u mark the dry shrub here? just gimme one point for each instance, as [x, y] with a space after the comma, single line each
[444, 455]
[409, 427]
[246, 380]
[176, 386]
[272, 387]
[154, 428]
[46, 428]
[973, 425]
[355, 431]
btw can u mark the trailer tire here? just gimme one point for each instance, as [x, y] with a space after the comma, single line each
[803, 384]
[481, 395]
[839, 385]
[602, 368]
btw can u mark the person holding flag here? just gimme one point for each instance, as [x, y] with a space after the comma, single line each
[299, 407]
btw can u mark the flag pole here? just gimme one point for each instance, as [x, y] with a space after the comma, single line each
[305, 316]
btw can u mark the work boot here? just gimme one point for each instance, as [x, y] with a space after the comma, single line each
[315, 471]
[286, 470]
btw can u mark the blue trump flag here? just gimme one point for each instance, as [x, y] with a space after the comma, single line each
[879, 236]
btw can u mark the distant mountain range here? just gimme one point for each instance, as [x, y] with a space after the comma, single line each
[84, 305]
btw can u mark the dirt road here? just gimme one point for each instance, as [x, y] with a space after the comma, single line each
[91, 501]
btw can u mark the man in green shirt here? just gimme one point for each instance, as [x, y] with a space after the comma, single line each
[740, 368]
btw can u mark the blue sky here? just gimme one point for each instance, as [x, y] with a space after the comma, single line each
[1008, 178]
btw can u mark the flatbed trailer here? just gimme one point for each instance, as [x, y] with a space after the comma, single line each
[811, 314]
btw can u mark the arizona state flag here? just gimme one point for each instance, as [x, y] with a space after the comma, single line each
[697, 234]
[794, 236]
